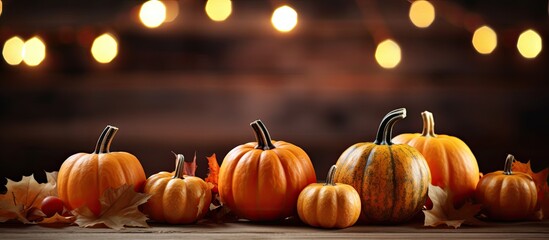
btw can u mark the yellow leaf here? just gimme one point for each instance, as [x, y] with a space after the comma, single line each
[119, 208]
[443, 211]
[23, 198]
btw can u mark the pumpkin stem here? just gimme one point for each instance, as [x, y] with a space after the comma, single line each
[385, 130]
[105, 139]
[330, 176]
[179, 163]
[428, 124]
[508, 165]
[262, 135]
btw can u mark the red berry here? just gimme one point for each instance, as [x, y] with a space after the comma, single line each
[52, 205]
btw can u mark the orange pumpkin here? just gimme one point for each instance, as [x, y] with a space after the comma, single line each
[262, 180]
[391, 179]
[507, 195]
[84, 177]
[450, 160]
[329, 205]
[175, 198]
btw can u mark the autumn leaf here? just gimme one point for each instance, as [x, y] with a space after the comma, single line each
[23, 199]
[58, 219]
[443, 211]
[540, 179]
[213, 175]
[189, 168]
[119, 208]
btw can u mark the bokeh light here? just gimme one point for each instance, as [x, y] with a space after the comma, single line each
[485, 40]
[284, 19]
[529, 44]
[172, 10]
[422, 13]
[152, 13]
[13, 50]
[34, 51]
[0, 7]
[219, 10]
[104, 48]
[388, 54]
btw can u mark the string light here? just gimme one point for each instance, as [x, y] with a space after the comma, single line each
[422, 13]
[104, 48]
[529, 44]
[219, 10]
[34, 51]
[152, 13]
[388, 54]
[284, 19]
[485, 40]
[13, 50]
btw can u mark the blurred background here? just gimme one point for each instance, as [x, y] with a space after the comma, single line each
[190, 75]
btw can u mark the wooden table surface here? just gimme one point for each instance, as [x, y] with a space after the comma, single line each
[280, 230]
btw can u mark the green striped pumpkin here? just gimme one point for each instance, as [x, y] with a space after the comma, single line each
[391, 179]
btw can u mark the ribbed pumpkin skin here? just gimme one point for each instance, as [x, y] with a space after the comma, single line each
[451, 162]
[84, 177]
[392, 180]
[329, 206]
[507, 197]
[262, 184]
[176, 200]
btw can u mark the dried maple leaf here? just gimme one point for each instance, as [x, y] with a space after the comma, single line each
[23, 199]
[57, 219]
[213, 175]
[443, 211]
[540, 179]
[189, 168]
[119, 208]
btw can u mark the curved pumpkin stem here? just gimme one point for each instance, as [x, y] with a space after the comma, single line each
[330, 176]
[179, 163]
[385, 130]
[428, 124]
[262, 135]
[507, 169]
[105, 139]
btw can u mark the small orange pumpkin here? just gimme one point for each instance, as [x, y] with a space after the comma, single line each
[391, 179]
[84, 177]
[177, 199]
[507, 195]
[262, 180]
[450, 160]
[329, 205]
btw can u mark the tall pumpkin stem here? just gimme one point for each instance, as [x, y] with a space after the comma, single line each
[330, 176]
[179, 163]
[428, 124]
[508, 165]
[105, 139]
[262, 135]
[385, 130]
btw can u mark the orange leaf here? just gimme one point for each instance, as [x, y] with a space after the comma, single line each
[189, 168]
[443, 211]
[213, 175]
[540, 179]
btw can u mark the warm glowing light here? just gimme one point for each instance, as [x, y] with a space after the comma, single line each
[172, 10]
[529, 44]
[104, 48]
[152, 13]
[34, 51]
[219, 10]
[284, 19]
[485, 40]
[422, 13]
[388, 54]
[13, 50]
[0, 7]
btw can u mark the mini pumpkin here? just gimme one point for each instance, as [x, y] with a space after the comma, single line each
[261, 180]
[391, 179]
[450, 160]
[507, 195]
[329, 205]
[177, 198]
[83, 177]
